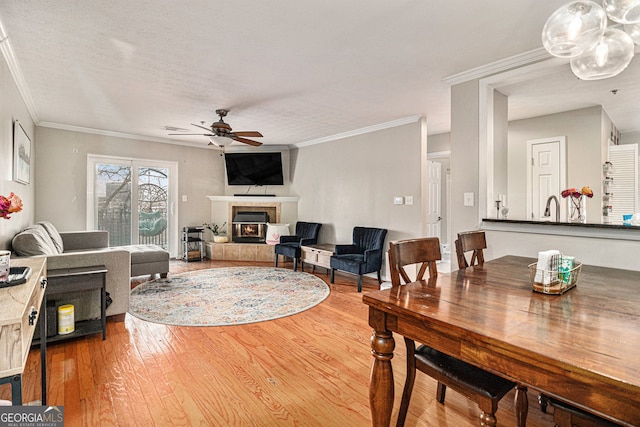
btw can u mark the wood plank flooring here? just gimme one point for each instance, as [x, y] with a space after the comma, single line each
[309, 369]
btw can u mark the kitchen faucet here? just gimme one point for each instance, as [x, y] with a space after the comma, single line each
[547, 210]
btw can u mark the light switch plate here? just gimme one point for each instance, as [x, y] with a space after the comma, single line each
[398, 200]
[468, 199]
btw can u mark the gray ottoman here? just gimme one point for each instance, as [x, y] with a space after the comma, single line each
[148, 259]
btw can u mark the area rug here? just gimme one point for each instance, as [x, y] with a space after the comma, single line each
[226, 296]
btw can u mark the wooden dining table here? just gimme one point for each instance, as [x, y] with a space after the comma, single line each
[581, 347]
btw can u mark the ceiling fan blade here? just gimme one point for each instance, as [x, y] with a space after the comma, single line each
[201, 134]
[202, 127]
[247, 141]
[248, 133]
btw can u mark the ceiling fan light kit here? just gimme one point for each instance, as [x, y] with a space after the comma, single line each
[578, 31]
[220, 141]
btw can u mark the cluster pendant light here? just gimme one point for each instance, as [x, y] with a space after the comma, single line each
[579, 31]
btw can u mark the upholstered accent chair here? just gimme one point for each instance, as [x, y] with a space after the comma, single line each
[289, 246]
[363, 256]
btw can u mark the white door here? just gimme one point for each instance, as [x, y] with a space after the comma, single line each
[434, 199]
[134, 200]
[545, 176]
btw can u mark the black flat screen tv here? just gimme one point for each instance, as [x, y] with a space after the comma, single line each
[254, 168]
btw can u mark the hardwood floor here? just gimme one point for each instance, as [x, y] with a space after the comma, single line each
[309, 369]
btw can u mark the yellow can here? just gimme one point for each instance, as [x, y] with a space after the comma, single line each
[66, 322]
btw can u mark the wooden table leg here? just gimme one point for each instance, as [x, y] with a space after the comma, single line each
[381, 381]
[522, 406]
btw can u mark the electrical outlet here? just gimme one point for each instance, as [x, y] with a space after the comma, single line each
[408, 200]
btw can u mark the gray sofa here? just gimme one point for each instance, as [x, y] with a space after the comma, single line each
[87, 248]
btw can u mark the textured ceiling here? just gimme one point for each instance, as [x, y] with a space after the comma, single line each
[294, 70]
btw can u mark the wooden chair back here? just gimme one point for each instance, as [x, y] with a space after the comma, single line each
[470, 241]
[424, 251]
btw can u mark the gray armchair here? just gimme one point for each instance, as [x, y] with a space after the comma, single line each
[363, 256]
[289, 246]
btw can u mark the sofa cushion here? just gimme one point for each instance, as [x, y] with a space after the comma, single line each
[33, 240]
[145, 253]
[55, 236]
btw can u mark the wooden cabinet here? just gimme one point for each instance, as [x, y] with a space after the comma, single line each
[317, 255]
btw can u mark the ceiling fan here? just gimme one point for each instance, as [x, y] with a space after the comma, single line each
[220, 132]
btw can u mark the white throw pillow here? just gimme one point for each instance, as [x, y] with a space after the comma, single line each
[274, 231]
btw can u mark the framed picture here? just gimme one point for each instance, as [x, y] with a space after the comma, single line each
[21, 154]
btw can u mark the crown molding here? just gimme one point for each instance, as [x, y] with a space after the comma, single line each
[119, 134]
[16, 73]
[356, 132]
[515, 61]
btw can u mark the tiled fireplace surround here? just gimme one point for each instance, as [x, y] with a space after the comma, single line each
[245, 251]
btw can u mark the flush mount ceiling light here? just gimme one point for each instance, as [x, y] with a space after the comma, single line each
[578, 30]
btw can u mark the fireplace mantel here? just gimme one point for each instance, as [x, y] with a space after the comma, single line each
[253, 199]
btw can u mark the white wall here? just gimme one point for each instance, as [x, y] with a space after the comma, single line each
[13, 108]
[465, 171]
[615, 253]
[583, 129]
[352, 181]
[61, 180]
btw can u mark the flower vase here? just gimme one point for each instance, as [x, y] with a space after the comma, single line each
[577, 209]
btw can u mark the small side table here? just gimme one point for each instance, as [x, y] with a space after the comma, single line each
[66, 280]
[317, 255]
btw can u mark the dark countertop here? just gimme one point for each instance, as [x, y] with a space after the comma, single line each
[564, 224]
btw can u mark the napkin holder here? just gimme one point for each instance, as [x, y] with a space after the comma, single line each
[560, 281]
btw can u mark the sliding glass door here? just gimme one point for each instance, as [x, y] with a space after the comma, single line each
[133, 200]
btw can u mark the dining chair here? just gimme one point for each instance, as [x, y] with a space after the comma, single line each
[470, 241]
[565, 415]
[478, 385]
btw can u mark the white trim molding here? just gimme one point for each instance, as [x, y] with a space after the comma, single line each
[361, 131]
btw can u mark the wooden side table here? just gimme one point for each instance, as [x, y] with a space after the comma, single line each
[317, 255]
[21, 307]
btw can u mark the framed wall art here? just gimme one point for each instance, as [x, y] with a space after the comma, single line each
[21, 154]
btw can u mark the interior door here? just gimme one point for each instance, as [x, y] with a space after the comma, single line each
[545, 176]
[434, 199]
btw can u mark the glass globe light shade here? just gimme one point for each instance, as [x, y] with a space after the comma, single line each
[623, 11]
[634, 31]
[574, 28]
[608, 58]
[220, 141]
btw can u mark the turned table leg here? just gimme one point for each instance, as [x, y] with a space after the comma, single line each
[381, 381]
[522, 406]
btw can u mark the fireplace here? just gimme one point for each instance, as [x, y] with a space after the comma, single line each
[249, 227]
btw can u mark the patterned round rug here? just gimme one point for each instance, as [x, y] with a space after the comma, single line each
[226, 296]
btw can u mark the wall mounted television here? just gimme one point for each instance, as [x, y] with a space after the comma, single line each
[254, 168]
